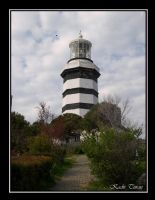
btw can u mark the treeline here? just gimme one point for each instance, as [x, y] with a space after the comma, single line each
[116, 151]
[36, 151]
[114, 147]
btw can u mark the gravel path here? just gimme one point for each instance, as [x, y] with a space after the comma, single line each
[77, 177]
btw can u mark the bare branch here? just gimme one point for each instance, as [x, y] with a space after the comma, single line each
[44, 113]
[126, 108]
[112, 112]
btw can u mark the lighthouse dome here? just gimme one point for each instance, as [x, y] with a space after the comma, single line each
[80, 48]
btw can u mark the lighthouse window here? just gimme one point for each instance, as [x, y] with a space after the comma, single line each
[81, 53]
[76, 49]
[80, 45]
[88, 53]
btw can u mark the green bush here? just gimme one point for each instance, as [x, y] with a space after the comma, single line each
[29, 173]
[113, 156]
[43, 145]
[40, 144]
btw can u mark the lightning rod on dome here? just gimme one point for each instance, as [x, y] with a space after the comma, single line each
[80, 34]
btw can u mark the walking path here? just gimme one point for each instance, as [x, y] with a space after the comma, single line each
[77, 177]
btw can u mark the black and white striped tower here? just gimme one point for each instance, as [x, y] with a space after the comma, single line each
[80, 74]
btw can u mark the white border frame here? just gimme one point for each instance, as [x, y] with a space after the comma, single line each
[146, 94]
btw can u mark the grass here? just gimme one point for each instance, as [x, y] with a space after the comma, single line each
[59, 170]
[96, 185]
[27, 160]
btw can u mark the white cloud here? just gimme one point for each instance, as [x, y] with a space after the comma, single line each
[40, 49]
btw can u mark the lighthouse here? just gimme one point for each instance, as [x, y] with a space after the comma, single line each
[80, 79]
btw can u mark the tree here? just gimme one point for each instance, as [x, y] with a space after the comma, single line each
[125, 110]
[64, 125]
[45, 116]
[35, 128]
[91, 120]
[19, 130]
[134, 127]
[115, 110]
[57, 128]
[111, 112]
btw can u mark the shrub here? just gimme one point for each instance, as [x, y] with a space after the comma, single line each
[113, 156]
[39, 145]
[31, 173]
[43, 145]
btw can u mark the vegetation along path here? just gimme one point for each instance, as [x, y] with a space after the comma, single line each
[76, 178]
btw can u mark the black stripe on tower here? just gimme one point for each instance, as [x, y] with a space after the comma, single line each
[80, 72]
[77, 58]
[77, 105]
[80, 90]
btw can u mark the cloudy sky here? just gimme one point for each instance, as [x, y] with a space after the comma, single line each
[40, 39]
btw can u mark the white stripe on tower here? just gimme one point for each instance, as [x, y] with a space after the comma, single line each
[80, 82]
[79, 97]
